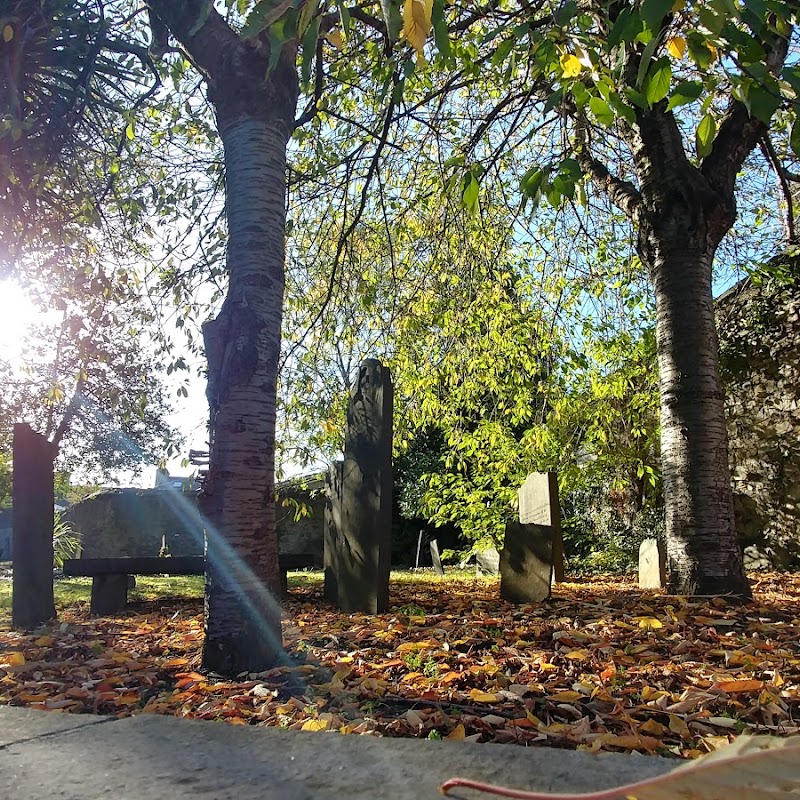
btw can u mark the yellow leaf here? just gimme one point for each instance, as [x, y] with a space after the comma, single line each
[457, 733]
[337, 40]
[483, 697]
[8, 33]
[417, 22]
[14, 659]
[570, 65]
[578, 655]
[676, 46]
[316, 725]
[565, 697]
[44, 641]
[650, 623]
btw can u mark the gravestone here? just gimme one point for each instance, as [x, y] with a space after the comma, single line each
[436, 558]
[487, 562]
[359, 560]
[526, 563]
[538, 505]
[33, 498]
[652, 565]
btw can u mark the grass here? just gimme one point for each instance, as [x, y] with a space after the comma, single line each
[71, 592]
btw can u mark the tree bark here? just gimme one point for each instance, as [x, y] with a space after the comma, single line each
[681, 220]
[703, 553]
[255, 108]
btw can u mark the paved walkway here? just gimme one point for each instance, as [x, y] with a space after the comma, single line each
[46, 754]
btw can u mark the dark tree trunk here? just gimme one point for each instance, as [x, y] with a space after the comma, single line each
[681, 221]
[255, 108]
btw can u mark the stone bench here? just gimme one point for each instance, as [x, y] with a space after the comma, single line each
[111, 576]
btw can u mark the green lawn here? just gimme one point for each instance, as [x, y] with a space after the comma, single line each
[70, 592]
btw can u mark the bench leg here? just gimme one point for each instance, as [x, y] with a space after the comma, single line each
[109, 594]
[284, 585]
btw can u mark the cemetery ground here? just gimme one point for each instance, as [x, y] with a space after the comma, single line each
[602, 665]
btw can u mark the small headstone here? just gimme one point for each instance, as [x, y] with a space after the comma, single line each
[538, 505]
[436, 558]
[361, 557]
[487, 562]
[32, 537]
[526, 563]
[652, 565]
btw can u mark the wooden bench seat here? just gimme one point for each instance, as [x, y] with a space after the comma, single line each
[110, 576]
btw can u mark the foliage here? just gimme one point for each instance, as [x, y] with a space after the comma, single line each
[66, 541]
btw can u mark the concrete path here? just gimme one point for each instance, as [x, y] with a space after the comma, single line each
[49, 755]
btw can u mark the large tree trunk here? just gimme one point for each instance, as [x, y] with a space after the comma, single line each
[255, 106]
[243, 346]
[703, 553]
[682, 215]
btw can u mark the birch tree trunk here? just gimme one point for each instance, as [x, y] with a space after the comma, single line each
[255, 107]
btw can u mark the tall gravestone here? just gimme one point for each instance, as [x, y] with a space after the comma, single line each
[33, 498]
[359, 559]
[538, 505]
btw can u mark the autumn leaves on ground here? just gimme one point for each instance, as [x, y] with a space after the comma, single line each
[602, 666]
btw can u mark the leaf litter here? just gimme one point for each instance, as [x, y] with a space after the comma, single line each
[602, 666]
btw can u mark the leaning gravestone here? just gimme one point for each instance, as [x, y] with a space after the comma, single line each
[652, 565]
[526, 563]
[360, 545]
[436, 558]
[33, 498]
[538, 505]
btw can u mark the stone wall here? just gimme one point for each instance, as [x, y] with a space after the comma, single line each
[132, 522]
[759, 329]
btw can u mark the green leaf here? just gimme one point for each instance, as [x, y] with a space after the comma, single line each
[129, 132]
[602, 111]
[469, 191]
[654, 11]
[531, 183]
[626, 27]
[503, 49]
[441, 36]
[309, 50]
[262, 16]
[794, 137]
[685, 92]
[706, 131]
[763, 103]
[656, 85]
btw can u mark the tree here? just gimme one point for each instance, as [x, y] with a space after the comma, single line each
[616, 76]
[253, 87]
[68, 89]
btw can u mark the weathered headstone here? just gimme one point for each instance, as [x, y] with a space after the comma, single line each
[538, 505]
[526, 563]
[33, 498]
[360, 558]
[487, 562]
[652, 565]
[436, 558]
